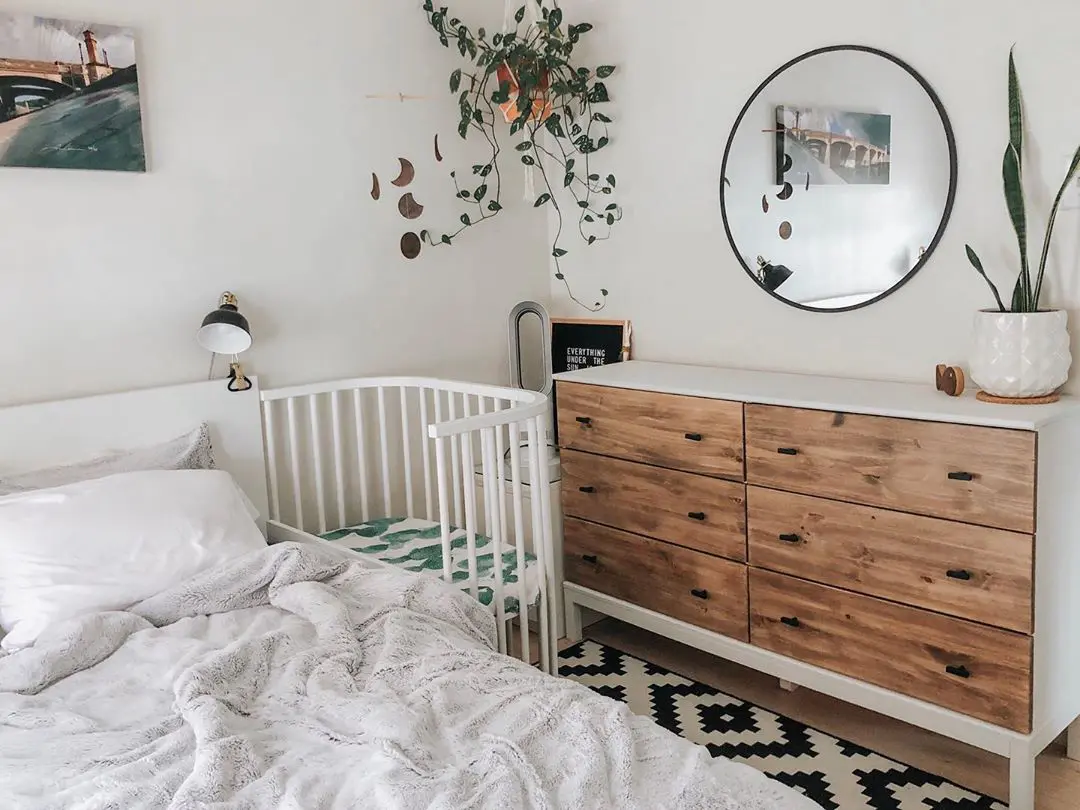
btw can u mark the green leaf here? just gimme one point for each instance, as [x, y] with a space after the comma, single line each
[604, 71]
[575, 130]
[598, 94]
[1073, 168]
[494, 206]
[520, 14]
[603, 119]
[592, 239]
[560, 276]
[583, 28]
[558, 253]
[482, 33]
[524, 146]
[610, 178]
[583, 203]
[486, 170]
[1014, 199]
[568, 180]
[478, 115]
[445, 239]
[612, 207]
[555, 19]
[610, 219]
[594, 177]
[570, 164]
[600, 144]
[463, 128]
[977, 264]
[543, 198]
[497, 40]
[465, 220]
[604, 293]
[517, 126]
[477, 169]
[455, 81]
[528, 160]
[589, 218]
[554, 126]
[1016, 112]
[480, 193]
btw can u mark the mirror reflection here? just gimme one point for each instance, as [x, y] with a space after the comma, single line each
[838, 178]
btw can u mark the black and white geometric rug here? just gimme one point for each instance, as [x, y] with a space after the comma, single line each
[837, 774]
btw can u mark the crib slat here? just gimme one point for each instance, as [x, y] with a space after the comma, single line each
[339, 461]
[361, 454]
[492, 504]
[470, 515]
[406, 450]
[272, 460]
[444, 506]
[455, 452]
[541, 539]
[316, 448]
[294, 457]
[384, 446]
[519, 537]
[426, 452]
[500, 455]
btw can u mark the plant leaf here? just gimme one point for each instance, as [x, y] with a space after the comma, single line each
[543, 198]
[1014, 199]
[568, 180]
[519, 15]
[555, 19]
[611, 180]
[455, 81]
[1074, 167]
[465, 220]
[604, 293]
[445, 239]
[604, 71]
[528, 160]
[494, 206]
[1016, 111]
[558, 253]
[480, 193]
[601, 118]
[524, 146]
[977, 264]
[592, 239]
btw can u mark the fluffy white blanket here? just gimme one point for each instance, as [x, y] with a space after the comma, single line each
[299, 677]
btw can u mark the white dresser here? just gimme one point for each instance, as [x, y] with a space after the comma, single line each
[902, 550]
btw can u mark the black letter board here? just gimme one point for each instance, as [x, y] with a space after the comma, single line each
[580, 343]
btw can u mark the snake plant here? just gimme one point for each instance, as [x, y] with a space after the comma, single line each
[1025, 297]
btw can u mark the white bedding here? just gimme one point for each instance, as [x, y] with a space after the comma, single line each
[301, 677]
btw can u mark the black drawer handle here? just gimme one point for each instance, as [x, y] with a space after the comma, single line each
[790, 621]
[694, 437]
[696, 515]
[585, 420]
[588, 490]
[589, 558]
[699, 593]
[791, 538]
[961, 476]
[787, 451]
[959, 672]
[958, 573]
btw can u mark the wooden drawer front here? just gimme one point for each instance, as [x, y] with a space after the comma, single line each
[969, 571]
[975, 670]
[683, 433]
[689, 510]
[901, 464]
[697, 588]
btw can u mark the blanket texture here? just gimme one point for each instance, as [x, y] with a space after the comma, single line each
[301, 677]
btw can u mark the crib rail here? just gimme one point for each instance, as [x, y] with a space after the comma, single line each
[350, 451]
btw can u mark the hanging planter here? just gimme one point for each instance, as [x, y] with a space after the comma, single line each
[525, 84]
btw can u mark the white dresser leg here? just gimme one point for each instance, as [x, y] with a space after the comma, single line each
[1073, 750]
[1022, 781]
[573, 620]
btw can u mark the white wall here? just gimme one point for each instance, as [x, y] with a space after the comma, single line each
[261, 148]
[685, 70]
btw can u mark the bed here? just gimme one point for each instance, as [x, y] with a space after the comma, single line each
[295, 674]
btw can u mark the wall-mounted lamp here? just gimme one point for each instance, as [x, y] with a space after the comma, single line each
[771, 276]
[226, 331]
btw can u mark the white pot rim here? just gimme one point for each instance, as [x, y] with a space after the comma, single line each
[1028, 314]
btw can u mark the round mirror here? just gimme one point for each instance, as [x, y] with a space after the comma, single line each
[838, 178]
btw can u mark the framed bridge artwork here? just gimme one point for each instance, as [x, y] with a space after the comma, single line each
[832, 147]
[69, 95]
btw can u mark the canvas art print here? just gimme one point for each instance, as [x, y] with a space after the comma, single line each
[69, 95]
[829, 147]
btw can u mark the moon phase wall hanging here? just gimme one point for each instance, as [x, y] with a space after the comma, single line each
[838, 178]
[408, 206]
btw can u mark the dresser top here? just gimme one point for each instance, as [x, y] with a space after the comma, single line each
[878, 398]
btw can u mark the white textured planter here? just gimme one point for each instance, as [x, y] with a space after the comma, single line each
[1020, 354]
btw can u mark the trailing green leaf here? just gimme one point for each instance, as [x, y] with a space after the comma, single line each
[455, 80]
[604, 71]
[542, 199]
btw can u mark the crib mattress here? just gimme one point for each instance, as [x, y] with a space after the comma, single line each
[415, 545]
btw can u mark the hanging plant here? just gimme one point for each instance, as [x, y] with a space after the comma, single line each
[524, 84]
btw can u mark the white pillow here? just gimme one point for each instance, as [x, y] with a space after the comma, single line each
[192, 451]
[108, 543]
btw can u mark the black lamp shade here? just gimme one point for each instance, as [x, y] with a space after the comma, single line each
[225, 331]
[773, 275]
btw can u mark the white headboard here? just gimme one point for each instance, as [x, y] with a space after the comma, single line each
[49, 433]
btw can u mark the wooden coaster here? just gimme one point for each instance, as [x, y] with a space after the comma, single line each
[985, 397]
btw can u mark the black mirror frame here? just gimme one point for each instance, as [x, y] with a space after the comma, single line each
[953, 172]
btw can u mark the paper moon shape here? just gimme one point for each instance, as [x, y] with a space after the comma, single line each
[407, 174]
[410, 245]
[375, 192]
[409, 207]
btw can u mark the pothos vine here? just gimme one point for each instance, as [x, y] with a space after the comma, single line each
[527, 78]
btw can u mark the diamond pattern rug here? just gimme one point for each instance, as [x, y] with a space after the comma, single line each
[836, 774]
